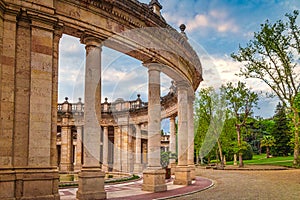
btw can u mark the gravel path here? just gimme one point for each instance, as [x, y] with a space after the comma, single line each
[236, 184]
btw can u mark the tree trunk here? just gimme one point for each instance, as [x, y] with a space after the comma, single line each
[268, 152]
[296, 161]
[221, 154]
[238, 130]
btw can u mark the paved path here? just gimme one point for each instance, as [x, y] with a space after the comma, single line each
[243, 184]
[132, 190]
[263, 184]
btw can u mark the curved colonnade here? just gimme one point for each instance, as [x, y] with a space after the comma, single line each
[30, 31]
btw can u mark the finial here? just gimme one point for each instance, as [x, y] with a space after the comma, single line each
[182, 27]
[66, 98]
[79, 99]
[156, 7]
[106, 99]
[138, 95]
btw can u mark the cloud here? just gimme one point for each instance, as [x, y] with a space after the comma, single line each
[216, 20]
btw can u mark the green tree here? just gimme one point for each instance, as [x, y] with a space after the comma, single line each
[281, 132]
[267, 141]
[209, 121]
[272, 56]
[241, 101]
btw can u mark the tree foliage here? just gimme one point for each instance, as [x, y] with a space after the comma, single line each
[241, 101]
[267, 141]
[209, 121]
[281, 132]
[272, 56]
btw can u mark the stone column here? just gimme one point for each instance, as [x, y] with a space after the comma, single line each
[191, 136]
[138, 168]
[124, 148]
[66, 155]
[154, 175]
[91, 178]
[105, 148]
[78, 164]
[172, 143]
[182, 172]
[117, 148]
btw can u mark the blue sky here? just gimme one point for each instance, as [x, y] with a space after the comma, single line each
[215, 29]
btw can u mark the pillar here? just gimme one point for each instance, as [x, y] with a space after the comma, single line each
[172, 143]
[66, 155]
[124, 148]
[138, 168]
[28, 65]
[182, 172]
[117, 149]
[91, 177]
[154, 175]
[105, 148]
[78, 159]
[191, 136]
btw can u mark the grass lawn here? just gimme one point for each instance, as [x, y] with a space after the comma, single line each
[263, 160]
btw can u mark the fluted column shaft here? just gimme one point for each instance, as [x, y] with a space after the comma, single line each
[79, 148]
[91, 178]
[138, 143]
[154, 115]
[182, 124]
[191, 135]
[105, 147]
[154, 175]
[117, 149]
[92, 97]
[172, 135]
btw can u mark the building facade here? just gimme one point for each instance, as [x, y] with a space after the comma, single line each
[124, 134]
[30, 32]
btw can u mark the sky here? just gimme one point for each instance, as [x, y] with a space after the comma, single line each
[215, 29]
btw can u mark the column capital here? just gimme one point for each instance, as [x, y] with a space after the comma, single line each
[90, 40]
[153, 65]
[182, 85]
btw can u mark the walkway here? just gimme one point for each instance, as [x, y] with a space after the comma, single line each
[132, 190]
[261, 184]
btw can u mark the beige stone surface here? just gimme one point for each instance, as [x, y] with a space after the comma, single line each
[154, 180]
[182, 176]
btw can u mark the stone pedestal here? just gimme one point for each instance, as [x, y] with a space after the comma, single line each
[154, 180]
[192, 172]
[138, 168]
[91, 184]
[28, 184]
[182, 176]
[173, 167]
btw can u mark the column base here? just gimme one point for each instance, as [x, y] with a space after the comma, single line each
[154, 180]
[91, 184]
[173, 168]
[182, 176]
[77, 167]
[193, 172]
[138, 168]
[29, 183]
[66, 167]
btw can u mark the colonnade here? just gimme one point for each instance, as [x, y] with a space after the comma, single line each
[123, 148]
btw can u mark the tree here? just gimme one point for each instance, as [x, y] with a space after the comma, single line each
[267, 141]
[281, 132]
[209, 115]
[272, 56]
[240, 101]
